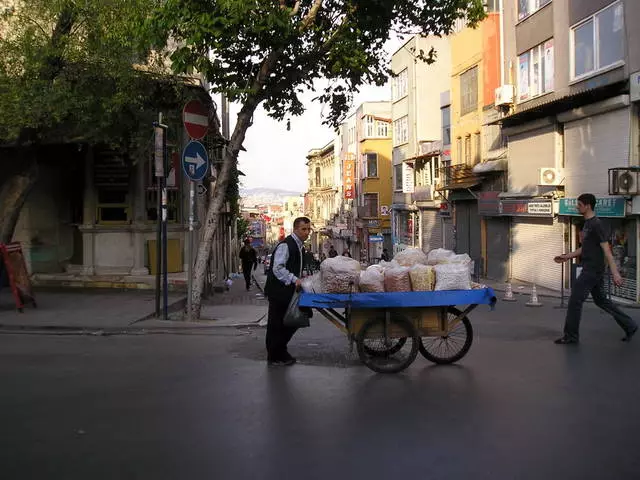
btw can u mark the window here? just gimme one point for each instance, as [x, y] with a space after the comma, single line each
[598, 42]
[491, 6]
[529, 7]
[477, 151]
[446, 125]
[399, 85]
[397, 178]
[459, 151]
[469, 91]
[370, 205]
[352, 135]
[317, 176]
[382, 129]
[401, 130]
[467, 150]
[375, 128]
[535, 71]
[371, 160]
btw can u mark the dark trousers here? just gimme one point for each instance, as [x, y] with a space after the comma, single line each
[246, 271]
[590, 282]
[278, 336]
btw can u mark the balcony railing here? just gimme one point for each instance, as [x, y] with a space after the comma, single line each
[458, 176]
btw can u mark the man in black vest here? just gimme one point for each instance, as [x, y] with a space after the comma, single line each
[283, 278]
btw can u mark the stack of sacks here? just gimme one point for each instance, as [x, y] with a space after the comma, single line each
[423, 278]
[411, 257]
[339, 275]
[396, 279]
[372, 279]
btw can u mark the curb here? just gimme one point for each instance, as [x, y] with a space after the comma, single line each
[632, 306]
[173, 307]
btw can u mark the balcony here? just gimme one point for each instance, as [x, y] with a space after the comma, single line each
[401, 198]
[458, 176]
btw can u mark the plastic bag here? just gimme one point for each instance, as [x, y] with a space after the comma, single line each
[295, 316]
[372, 280]
[423, 278]
[339, 274]
[452, 276]
[312, 284]
[410, 257]
[397, 279]
[439, 255]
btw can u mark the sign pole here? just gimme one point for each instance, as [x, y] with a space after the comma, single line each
[160, 146]
[165, 280]
[190, 250]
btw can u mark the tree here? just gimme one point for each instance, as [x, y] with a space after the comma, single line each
[269, 51]
[67, 75]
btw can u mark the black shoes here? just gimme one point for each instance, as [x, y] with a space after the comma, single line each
[282, 363]
[566, 341]
[629, 335]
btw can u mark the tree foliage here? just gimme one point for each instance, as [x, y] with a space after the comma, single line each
[342, 41]
[67, 71]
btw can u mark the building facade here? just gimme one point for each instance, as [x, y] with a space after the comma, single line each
[572, 127]
[417, 116]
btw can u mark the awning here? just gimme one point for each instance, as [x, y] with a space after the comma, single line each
[404, 206]
[530, 193]
[461, 185]
[498, 165]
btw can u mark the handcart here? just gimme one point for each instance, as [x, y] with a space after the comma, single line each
[390, 328]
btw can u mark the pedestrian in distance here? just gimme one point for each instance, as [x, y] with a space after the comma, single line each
[385, 255]
[249, 260]
[283, 279]
[595, 253]
[346, 253]
[332, 252]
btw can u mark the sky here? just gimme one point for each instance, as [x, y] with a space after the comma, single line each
[275, 157]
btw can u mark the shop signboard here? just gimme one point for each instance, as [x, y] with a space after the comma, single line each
[376, 238]
[489, 204]
[610, 207]
[526, 208]
[445, 210]
[348, 181]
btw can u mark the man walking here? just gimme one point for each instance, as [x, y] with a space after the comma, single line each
[595, 250]
[249, 259]
[283, 278]
[332, 252]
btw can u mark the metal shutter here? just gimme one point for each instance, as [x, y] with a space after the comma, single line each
[536, 241]
[431, 230]
[498, 248]
[592, 146]
[449, 234]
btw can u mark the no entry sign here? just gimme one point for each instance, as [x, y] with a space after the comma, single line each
[195, 117]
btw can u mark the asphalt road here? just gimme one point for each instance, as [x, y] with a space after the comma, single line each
[206, 406]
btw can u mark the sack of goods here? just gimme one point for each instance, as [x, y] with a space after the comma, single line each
[372, 280]
[452, 276]
[423, 278]
[340, 275]
[410, 257]
[312, 284]
[396, 279]
[439, 255]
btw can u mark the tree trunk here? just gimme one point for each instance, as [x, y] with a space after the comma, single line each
[13, 193]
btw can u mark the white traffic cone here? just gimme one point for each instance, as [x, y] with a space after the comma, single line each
[534, 298]
[508, 294]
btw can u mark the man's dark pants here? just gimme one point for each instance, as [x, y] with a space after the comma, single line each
[278, 336]
[592, 282]
[246, 270]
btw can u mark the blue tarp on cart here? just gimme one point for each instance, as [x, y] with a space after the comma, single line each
[485, 296]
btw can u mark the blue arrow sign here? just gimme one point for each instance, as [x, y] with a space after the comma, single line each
[195, 161]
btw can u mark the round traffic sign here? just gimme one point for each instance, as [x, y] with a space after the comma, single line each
[195, 117]
[195, 161]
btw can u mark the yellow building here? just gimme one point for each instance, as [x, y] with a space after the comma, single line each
[374, 210]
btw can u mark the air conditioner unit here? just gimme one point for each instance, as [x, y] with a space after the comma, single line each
[624, 181]
[505, 95]
[550, 177]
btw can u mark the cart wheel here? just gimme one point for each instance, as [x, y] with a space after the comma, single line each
[452, 347]
[393, 347]
[387, 347]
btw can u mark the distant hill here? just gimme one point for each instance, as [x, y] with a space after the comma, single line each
[260, 196]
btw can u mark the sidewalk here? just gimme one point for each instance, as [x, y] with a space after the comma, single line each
[128, 311]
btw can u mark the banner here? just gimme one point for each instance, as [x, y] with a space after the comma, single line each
[348, 182]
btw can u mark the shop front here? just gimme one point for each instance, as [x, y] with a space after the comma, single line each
[622, 231]
[405, 229]
[495, 237]
[537, 236]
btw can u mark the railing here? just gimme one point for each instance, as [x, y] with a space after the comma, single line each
[457, 174]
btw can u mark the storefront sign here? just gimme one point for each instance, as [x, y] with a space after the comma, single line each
[408, 178]
[373, 223]
[445, 209]
[384, 210]
[376, 238]
[526, 208]
[612, 207]
[489, 203]
[348, 181]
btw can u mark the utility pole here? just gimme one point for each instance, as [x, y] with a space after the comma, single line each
[160, 157]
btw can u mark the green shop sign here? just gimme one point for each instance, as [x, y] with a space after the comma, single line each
[612, 207]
